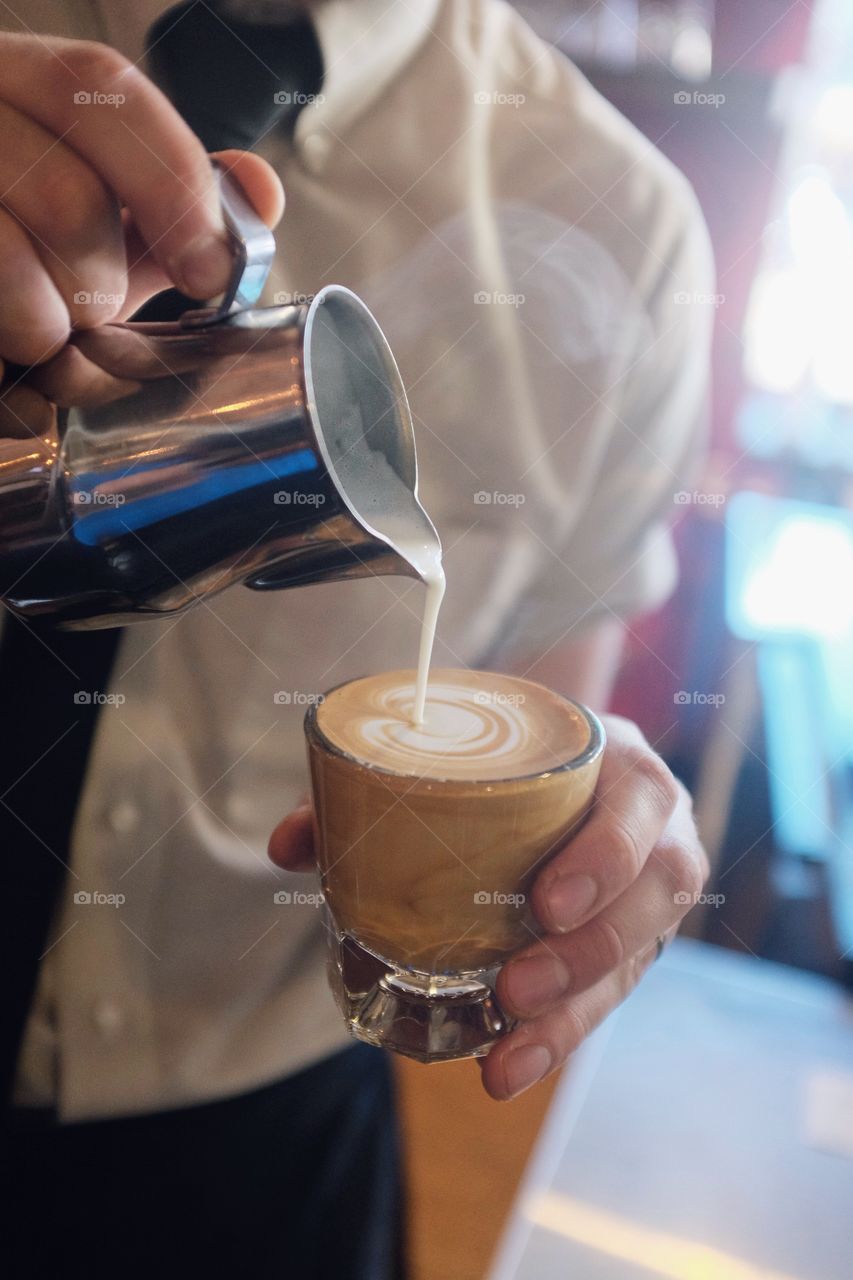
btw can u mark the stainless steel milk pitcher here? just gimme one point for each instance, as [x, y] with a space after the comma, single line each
[238, 444]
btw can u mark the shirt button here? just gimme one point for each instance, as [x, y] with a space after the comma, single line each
[315, 152]
[123, 817]
[108, 1018]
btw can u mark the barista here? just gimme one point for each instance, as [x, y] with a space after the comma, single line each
[182, 1092]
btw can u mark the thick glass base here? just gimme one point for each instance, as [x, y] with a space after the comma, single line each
[433, 1018]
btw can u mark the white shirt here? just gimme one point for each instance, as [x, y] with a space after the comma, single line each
[527, 253]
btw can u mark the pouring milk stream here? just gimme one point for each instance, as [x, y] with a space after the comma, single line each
[400, 518]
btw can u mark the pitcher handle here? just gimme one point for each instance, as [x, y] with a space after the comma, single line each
[253, 246]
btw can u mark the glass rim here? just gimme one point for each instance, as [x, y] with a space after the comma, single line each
[590, 753]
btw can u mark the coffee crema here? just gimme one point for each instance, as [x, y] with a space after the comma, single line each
[478, 726]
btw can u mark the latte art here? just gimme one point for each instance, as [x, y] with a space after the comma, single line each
[477, 725]
[461, 729]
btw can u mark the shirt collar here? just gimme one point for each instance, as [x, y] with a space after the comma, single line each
[365, 44]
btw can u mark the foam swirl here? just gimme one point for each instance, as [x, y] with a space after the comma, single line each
[477, 725]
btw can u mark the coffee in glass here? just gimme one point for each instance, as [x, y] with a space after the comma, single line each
[429, 837]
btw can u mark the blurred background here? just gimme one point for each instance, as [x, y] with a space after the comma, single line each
[714, 1137]
[745, 680]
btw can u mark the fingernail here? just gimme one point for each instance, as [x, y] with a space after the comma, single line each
[204, 267]
[569, 898]
[532, 982]
[525, 1066]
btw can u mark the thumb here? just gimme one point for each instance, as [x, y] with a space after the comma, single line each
[263, 190]
[260, 182]
[292, 843]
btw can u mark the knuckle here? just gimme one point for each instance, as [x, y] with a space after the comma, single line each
[684, 869]
[87, 316]
[606, 945]
[24, 413]
[624, 852]
[31, 345]
[636, 970]
[74, 197]
[574, 1027]
[179, 187]
[649, 769]
[704, 864]
[90, 65]
[623, 728]
[684, 795]
[180, 194]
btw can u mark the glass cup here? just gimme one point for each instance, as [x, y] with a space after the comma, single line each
[427, 882]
